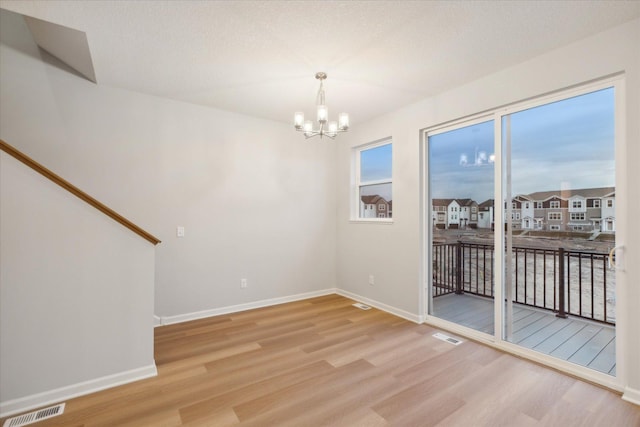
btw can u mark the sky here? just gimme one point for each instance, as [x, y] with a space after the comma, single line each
[567, 144]
[375, 165]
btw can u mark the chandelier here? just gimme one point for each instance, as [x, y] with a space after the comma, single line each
[325, 128]
[481, 159]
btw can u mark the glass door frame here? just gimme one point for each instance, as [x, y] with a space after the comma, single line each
[498, 339]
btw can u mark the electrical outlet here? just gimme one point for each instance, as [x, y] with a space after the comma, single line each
[243, 283]
[372, 280]
[180, 231]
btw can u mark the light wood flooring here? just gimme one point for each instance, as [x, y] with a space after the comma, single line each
[579, 341]
[323, 362]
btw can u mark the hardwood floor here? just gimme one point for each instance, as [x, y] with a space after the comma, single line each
[323, 362]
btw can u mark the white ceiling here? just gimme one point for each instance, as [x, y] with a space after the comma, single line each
[260, 57]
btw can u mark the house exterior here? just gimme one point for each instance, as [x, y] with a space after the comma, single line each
[581, 210]
[468, 217]
[439, 212]
[375, 207]
[485, 215]
[446, 213]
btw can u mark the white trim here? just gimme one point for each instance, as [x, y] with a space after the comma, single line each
[384, 221]
[381, 306]
[631, 395]
[169, 320]
[624, 317]
[50, 397]
[157, 321]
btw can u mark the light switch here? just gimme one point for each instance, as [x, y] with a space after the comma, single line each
[180, 231]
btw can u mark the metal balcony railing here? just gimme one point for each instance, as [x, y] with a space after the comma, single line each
[566, 282]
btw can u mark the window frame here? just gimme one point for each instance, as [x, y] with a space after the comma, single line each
[356, 153]
[577, 216]
[554, 214]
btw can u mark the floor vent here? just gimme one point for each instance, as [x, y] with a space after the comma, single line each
[361, 306]
[35, 416]
[447, 338]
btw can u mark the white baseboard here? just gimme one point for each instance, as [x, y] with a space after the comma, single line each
[631, 395]
[28, 403]
[168, 320]
[157, 321]
[382, 306]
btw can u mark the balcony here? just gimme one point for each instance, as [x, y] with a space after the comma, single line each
[563, 301]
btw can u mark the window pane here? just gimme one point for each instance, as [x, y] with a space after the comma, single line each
[562, 155]
[375, 201]
[461, 170]
[375, 164]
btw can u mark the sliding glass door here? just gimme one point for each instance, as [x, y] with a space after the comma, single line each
[521, 210]
[461, 171]
[559, 220]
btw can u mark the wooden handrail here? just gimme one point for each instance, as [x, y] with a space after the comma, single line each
[76, 191]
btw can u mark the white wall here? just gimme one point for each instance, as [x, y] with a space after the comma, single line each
[257, 201]
[76, 294]
[397, 267]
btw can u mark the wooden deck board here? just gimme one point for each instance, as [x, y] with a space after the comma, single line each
[573, 339]
[540, 336]
[575, 342]
[539, 325]
[605, 361]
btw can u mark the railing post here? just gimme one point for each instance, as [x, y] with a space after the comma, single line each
[459, 268]
[561, 310]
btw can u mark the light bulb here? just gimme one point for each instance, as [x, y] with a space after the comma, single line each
[308, 126]
[343, 119]
[323, 113]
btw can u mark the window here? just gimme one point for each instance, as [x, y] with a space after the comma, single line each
[577, 216]
[526, 205]
[554, 204]
[576, 204]
[596, 203]
[609, 203]
[373, 179]
[514, 206]
[539, 205]
[554, 227]
[474, 209]
[554, 216]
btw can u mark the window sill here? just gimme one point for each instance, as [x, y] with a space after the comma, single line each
[383, 221]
